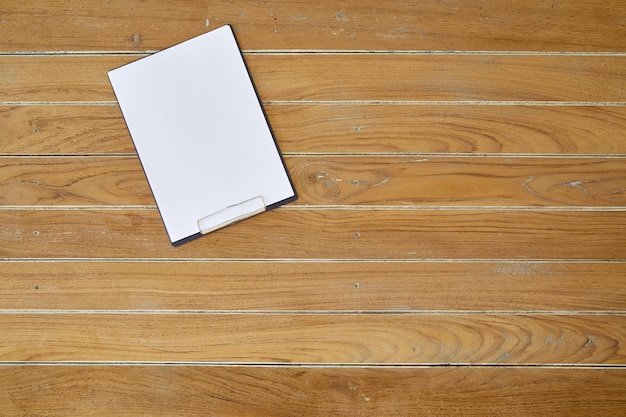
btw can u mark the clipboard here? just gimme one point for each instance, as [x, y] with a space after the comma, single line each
[201, 135]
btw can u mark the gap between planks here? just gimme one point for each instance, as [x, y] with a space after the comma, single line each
[295, 207]
[391, 312]
[324, 260]
[528, 103]
[306, 365]
[146, 52]
[349, 154]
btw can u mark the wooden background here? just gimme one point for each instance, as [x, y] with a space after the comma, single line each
[458, 247]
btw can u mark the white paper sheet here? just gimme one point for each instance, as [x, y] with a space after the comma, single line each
[201, 134]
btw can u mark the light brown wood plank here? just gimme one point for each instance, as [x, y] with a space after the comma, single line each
[449, 129]
[50, 78]
[459, 181]
[84, 181]
[307, 286]
[66, 130]
[406, 77]
[486, 25]
[350, 77]
[488, 282]
[323, 234]
[397, 181]
[304, 391]
[63, 130]
[315, 338]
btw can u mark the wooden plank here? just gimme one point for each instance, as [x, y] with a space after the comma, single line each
[84, 181]
[310, 286]
[370, 77]
[387, 181]
[568, 130]
[356, 307]
[457, 181]
[487, 25]
[62, 130]
[315, 338]
[46, 78]
[323, 234]
[305, 391]
[456, 77]
[449, 129]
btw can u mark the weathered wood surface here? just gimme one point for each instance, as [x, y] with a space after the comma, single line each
[324, 234]
[278, 391]
[336, 181]
[458, 247]
[75, 25]
[375, 286]
[350, 77]
[347, 129]
[314, 338]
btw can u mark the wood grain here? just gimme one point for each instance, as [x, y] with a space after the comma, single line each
[370, 25]
[62, 130]
[451, 78]
[323, 234]
[449, 129]
[348, 129]
[457, 249]
[315, 338]
[458, 181]
[310, 286]
[262, 391]
[358, 77]
[71, 181]
[398, 181]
